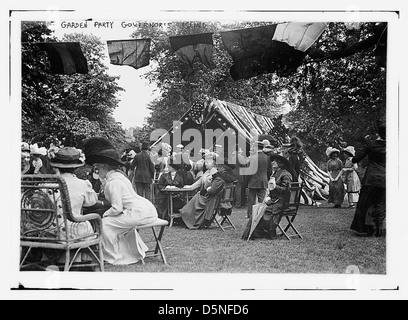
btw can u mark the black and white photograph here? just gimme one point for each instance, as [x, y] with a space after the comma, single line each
[194, 153]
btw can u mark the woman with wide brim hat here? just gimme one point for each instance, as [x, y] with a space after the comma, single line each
[351, 179]
[336, 185]
[277, 188]
[80, 191]
[171, 179]
[121, 242]
[197, 213]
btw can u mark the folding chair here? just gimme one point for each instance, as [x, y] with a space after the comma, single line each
[44, 225]
[290, 209]
[158, 250]
[227, 196]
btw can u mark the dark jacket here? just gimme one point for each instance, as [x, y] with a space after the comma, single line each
[375, 150]
[166, 180]
[260, 167]
[143, 166]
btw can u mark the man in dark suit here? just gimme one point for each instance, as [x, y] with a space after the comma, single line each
[143, 172]
[259, 171]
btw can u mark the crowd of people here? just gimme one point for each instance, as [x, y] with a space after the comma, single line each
[131, 188]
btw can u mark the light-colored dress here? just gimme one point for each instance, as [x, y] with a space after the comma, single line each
[352, 181]
[81, 195]
[122, 243]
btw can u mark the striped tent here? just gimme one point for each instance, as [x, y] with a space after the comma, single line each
[217, 114]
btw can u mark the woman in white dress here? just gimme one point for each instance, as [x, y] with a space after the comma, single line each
[351, 179]
[121, 242]
[81, 194]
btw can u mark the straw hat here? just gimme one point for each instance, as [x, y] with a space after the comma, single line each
[279, 158]
[330, 150]
[67, 157]
[350, 150]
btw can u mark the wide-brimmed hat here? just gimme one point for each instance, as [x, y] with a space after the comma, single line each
[279, 158]
[67, 157]
[330, 150]
[101, 150]
[350, 150]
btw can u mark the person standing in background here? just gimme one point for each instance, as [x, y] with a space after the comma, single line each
[143, 168]
[260, 169]
[336, 185]
[371, 207]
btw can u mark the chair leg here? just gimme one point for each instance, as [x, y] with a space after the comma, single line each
[227, 219]
[159, 247]
[101, 261]
[25, 257]
[283, 231]
[66, 267]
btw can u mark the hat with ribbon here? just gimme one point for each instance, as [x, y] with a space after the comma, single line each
[101, 150]
[350, 150]
[67, 157]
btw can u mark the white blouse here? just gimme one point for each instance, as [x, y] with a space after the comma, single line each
[80, 192]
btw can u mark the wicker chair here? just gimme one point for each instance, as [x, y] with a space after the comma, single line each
[46, 217]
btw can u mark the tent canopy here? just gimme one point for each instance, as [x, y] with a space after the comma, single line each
[207, 116]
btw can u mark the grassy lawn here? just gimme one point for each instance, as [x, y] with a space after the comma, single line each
[328, 247]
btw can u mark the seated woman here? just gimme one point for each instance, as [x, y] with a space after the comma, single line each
[198, 212]
[81, 194]
[266, 228]
[121, 243]
[168, 180]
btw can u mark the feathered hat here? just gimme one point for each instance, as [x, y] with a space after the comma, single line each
[100, 150]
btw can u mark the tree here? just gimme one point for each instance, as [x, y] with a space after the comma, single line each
[334, 96]
[69, 108]
[338, 100]
[180, 87]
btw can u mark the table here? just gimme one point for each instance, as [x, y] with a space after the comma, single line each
[170, 193]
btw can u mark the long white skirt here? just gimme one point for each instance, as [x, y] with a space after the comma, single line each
[121, 242]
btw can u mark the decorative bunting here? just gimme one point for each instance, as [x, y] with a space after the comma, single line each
[65, 57]
[134, 53]
[277, 48]
[189, 48]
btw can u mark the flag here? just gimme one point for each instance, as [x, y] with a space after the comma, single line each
[196, 112]
[277, 48]
[134, 53]
[188, 48]
[65, 57]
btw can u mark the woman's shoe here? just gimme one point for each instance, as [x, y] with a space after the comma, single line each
[351, 206]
